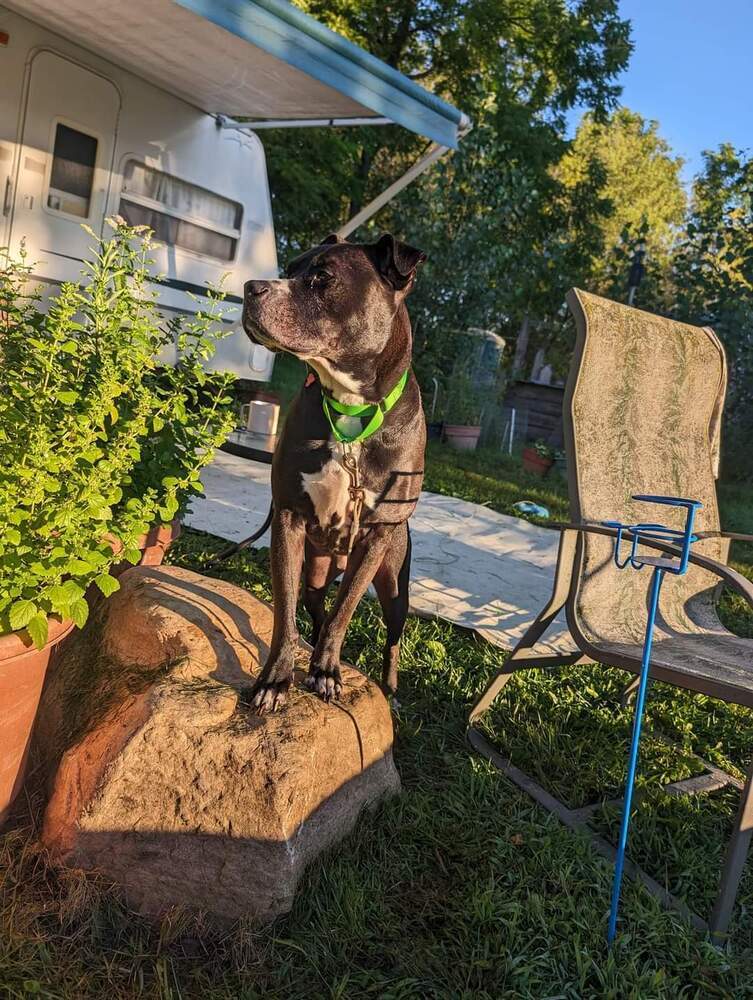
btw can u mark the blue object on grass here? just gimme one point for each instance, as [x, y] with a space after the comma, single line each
[529, 507]
[676, 565]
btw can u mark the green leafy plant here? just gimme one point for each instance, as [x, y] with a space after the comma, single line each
[462, 406]
[98, 439]
[467, 403]
[544, 450]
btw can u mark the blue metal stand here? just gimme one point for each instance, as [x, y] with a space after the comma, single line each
[661, 566]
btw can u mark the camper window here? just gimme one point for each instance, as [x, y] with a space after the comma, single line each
[181, 214]
[74, 156]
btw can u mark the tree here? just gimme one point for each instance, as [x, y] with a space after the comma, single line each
[507, 239]
[646, 199]
[504, 236]
[713, 274]
[528, 60]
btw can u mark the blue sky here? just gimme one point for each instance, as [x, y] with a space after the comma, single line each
[692, 71]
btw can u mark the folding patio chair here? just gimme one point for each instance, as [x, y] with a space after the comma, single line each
[642, 414]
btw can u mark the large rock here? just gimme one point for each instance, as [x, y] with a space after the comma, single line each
[168, 785]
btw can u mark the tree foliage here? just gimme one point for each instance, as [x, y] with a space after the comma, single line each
[507, 239]
[515, 66]
[504, 235]
[642, 184]
[520, 213]
[713, 278]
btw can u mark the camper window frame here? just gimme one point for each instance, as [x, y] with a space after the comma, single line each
[163, 209]
[91, 133]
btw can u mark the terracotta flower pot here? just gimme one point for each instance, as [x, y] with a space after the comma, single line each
[22, 672]
[464, 437]
[539, 465]
[153, 546]
[157, 542]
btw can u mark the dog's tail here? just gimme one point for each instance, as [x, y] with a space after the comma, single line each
[231, 550]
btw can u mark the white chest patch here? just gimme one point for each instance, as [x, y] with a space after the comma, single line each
[328, 492]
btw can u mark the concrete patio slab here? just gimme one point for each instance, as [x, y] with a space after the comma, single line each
[472, 566]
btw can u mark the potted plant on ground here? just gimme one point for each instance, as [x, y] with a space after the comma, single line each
[560, 462]
[98, 444]
[538, 458]
[462, 424]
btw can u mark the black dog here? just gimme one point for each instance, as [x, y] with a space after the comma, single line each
[343, 485]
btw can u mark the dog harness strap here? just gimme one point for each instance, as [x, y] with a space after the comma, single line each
[375, 412]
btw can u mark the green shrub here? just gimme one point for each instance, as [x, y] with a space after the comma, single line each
[544, 450]
[98, 440]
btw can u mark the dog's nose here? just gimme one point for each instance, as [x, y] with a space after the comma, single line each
[255, 288]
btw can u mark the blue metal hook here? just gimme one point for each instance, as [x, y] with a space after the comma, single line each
[661, 565]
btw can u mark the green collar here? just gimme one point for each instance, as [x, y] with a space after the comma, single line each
[373, 411]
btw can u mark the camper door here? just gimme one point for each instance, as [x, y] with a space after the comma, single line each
[64, 171]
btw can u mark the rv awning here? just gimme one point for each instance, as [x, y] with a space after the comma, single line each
[258, 59]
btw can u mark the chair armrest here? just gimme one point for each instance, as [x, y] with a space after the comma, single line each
[736, 536]
[730, 577]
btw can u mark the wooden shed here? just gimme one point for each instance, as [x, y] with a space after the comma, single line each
[538, 410]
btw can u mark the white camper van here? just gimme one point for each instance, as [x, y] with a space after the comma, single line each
[122, 109]
[82, 139]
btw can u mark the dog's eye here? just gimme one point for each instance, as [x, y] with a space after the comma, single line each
[320, 278]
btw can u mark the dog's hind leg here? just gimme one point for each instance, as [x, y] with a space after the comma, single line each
[391, 585]
[320, 569]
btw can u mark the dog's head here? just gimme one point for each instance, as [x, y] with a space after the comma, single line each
[340, 305]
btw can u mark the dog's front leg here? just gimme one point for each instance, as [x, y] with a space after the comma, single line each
[365, 559]
[286, 556]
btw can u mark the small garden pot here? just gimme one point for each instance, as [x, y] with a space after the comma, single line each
[539, 465]
[157, 542]
[23, 668]
[153, 546]
[434, 430]
[464, 437]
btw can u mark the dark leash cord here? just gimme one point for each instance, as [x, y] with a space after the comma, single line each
[231, 550]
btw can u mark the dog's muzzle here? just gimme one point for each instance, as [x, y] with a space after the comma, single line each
[256, 289]
[254, 292]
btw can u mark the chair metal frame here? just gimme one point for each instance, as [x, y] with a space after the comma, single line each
[567, 576]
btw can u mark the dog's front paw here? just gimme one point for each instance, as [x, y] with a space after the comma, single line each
[271, 690]
[268, 696]
[324, 678]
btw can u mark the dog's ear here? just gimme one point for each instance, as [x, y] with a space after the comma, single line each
[396, 261]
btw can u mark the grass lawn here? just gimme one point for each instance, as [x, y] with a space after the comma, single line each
[461, 886]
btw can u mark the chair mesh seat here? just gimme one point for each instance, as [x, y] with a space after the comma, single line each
[706, 662]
